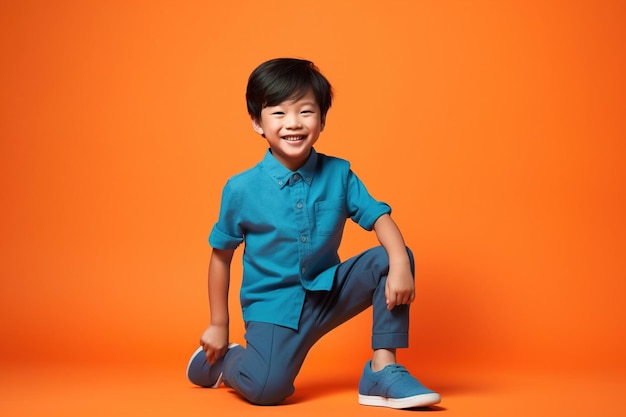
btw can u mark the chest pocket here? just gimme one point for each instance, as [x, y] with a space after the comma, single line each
[330, 216]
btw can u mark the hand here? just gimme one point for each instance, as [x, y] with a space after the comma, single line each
[214, 342]
[400, 287]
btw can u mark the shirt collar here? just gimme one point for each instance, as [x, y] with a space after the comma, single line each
[282, 175]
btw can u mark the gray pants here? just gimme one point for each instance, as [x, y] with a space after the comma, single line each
[264, 372]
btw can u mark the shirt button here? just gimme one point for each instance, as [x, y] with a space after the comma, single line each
[280, 183]
[303, 238]
[299, 205]
[303, 270]
[296, 177]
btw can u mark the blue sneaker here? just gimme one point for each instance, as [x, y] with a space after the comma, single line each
[393, 387]
[202, 373]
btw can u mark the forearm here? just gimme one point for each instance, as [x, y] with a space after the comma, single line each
[219, 283]
[391, 239]
[399, 288]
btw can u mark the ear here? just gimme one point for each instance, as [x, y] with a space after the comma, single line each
[257, 126]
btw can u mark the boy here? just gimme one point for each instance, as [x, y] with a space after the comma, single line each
[290, 211]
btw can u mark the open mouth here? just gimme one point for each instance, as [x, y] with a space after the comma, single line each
[293, 138]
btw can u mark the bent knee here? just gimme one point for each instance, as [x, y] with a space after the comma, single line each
[381, 259]
[266, 400]
[267, 393]
[272, 394]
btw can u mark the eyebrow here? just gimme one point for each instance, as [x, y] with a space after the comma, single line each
[305, 103]
[309, 103]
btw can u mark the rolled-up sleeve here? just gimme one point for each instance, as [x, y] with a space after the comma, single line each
[227, 232]
[363, 208]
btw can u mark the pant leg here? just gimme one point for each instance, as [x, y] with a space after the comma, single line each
[264, 372]
[360, 283]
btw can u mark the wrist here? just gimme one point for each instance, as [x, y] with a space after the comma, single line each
[219, 323]
[399, 261]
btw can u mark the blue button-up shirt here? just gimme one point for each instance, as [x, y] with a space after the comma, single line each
[292, 223]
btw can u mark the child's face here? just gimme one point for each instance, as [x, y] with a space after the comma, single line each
[291, 128]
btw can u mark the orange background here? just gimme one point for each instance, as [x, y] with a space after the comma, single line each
[494, 129]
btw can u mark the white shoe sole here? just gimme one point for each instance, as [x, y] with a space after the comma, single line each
[421, 400]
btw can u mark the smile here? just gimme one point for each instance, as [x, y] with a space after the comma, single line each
[293, 138]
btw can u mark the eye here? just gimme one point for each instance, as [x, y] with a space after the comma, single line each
[307, 111]
[278, 113]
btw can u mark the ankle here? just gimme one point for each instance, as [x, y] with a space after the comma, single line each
[382, 358]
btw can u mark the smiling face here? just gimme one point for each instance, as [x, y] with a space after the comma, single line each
[291, 128]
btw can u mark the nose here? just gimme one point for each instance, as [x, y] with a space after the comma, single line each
[293, 122]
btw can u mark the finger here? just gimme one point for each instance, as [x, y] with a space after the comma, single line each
[407, 297]
[215, 355]
[401, 300]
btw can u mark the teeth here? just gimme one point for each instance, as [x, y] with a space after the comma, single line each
[293, 138]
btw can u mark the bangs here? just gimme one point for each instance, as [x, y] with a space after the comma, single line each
[282, 79]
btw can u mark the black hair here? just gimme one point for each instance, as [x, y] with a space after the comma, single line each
[281, 79]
